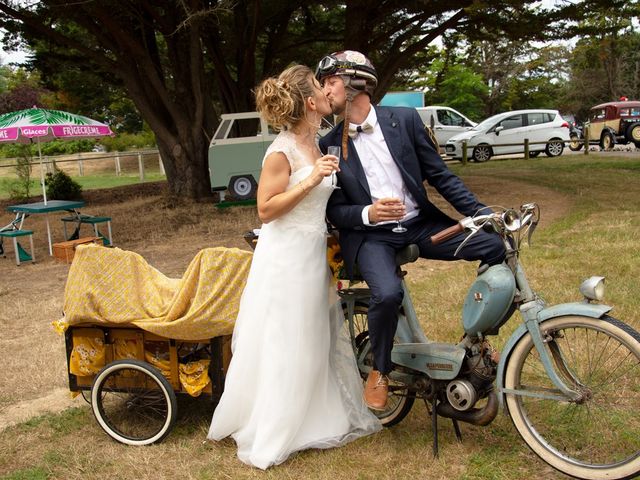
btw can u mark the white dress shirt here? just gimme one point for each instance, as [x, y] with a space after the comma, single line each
[383, 175]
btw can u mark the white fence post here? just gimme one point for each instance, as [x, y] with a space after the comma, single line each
[80, 165]
[118, 170]
[141, 166]
[162, 172]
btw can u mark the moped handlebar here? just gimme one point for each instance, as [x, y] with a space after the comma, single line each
[447, 233]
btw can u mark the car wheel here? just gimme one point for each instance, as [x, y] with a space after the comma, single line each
[575, 144]
[554, 148]
[534, 154]
[481, 153]
[606, 141]
[633, 134]
[243, 187]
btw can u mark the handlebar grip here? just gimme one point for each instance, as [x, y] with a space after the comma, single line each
[447, 233]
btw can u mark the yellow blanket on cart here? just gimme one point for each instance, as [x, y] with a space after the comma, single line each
[118, 286]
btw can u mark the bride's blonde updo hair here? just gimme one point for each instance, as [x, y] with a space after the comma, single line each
[281, 100]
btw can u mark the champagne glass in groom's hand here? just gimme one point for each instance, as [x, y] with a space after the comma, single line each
[399, 228]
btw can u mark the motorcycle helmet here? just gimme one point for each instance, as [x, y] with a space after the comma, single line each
[354, 67]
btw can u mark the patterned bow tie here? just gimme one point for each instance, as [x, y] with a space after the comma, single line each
[365, 127]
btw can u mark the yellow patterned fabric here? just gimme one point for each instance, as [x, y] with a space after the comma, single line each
[87, 356]
[194, 376]
[119, 287]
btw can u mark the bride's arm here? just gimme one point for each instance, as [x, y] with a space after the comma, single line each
[274, 200]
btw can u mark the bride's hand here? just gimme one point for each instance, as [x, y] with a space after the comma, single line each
[323, 167]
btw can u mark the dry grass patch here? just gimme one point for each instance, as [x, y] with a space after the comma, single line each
[587, 228]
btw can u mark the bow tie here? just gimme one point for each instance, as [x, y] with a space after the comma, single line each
[365, 127]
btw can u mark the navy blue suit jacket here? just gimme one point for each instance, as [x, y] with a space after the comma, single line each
[413, 152]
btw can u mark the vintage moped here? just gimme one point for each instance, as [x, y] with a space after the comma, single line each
[568, 376]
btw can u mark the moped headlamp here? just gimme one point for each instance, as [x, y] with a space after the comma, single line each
[511, 220]
[593, 288]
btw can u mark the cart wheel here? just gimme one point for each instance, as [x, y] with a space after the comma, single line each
[133, 402]
[86, 395]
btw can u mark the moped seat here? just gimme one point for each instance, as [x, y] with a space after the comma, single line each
[408, 254]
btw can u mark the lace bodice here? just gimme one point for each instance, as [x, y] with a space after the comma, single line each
[309, 214]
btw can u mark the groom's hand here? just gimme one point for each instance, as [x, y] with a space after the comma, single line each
[386, 209]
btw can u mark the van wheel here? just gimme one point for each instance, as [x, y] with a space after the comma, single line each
[554, 148]
[243, 187]
[606, 141]
[481, 153]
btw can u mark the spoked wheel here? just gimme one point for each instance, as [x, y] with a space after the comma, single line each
[576, 144]
[597, 436]
[133, 402]
[482, 153]
[554, 148]
[606, 141]
[399, 402]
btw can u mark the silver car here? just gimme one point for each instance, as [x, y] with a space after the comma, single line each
[506, 132]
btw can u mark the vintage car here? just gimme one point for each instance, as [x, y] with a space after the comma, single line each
[615, 122]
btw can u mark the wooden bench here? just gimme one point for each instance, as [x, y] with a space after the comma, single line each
[89, 220]
[21, 255]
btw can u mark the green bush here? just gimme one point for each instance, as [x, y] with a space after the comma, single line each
[61, 186]
[129, 141]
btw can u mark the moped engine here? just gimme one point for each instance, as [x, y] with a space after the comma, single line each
[481, 363]
[462, 395]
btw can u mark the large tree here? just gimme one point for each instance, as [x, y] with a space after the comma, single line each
[183, 62]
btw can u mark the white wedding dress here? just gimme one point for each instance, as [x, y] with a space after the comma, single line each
[293, 382]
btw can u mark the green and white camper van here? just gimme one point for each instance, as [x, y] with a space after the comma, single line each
[236, 152]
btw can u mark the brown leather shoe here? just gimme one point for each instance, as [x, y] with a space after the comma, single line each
[376, 390]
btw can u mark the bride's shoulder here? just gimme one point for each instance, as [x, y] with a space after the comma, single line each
[283, 143]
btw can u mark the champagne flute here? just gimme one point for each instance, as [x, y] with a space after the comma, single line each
[399, 228]
[335, 151]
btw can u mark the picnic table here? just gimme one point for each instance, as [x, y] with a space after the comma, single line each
[23, 211]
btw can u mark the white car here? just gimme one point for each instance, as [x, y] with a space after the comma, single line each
[505, 133]
[446, 122]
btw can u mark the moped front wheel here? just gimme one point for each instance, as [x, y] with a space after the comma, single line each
[597, 436]
[400, 399]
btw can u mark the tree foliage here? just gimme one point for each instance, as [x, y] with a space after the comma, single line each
[183, 62]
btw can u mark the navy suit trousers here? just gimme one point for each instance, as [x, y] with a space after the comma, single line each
[376, 263]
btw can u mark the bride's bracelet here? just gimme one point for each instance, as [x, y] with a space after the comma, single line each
[302, 187]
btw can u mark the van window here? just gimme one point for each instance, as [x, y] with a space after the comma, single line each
[244, 127]
[447, 117]
[511, 122]
[597, 114]
[222, 129]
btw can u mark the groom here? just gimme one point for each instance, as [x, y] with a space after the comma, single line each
[386, 157]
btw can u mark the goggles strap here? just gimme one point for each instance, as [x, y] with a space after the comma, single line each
[345, 129]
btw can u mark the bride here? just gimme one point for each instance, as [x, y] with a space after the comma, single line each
[292, 383]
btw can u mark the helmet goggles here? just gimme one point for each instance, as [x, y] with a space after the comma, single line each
[332, 65]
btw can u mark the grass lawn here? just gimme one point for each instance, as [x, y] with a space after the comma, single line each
[590, 226]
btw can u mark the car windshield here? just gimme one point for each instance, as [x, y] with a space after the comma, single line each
[488, 123]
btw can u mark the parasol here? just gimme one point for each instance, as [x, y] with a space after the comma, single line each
[43, 125]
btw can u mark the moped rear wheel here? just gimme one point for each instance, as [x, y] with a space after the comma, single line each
[599, 435]
[400, 400]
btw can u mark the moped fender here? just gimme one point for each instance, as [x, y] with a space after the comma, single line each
[593, 310]
[440, 361]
